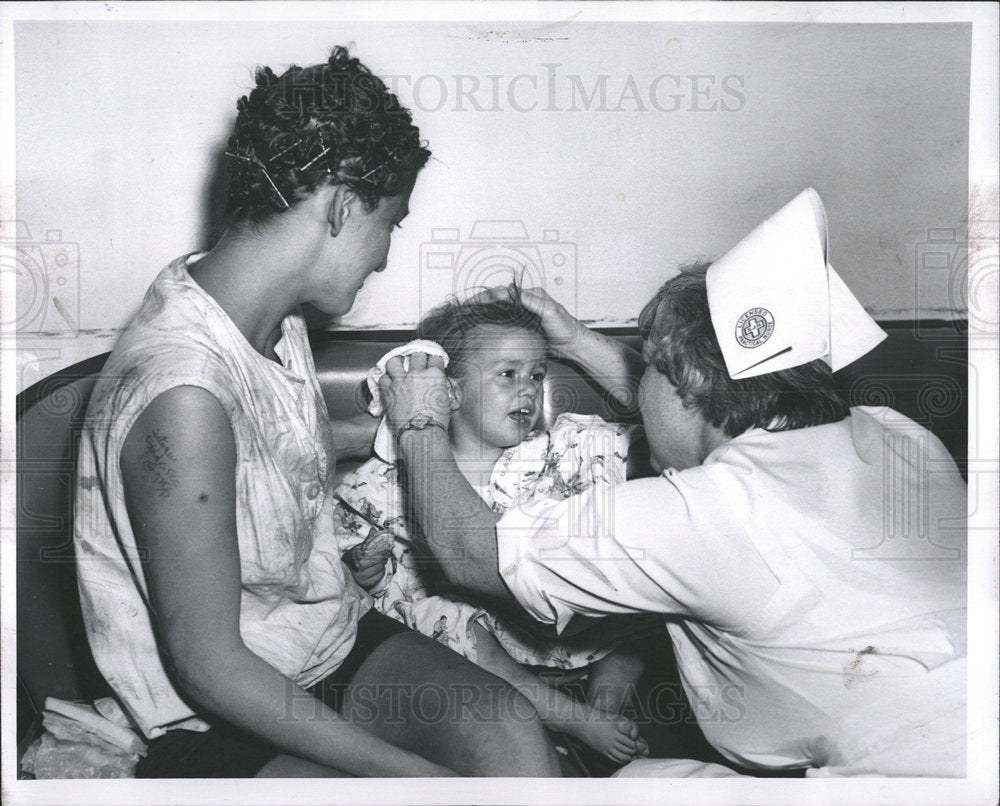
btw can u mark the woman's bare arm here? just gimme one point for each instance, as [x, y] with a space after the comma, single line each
[460, 530]
[178, 465]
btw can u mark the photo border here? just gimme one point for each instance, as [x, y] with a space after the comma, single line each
[979, 787]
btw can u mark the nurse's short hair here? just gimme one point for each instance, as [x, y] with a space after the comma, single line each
[681, 344]
[454, 324]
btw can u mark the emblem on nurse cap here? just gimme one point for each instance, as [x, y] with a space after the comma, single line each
[776, 303]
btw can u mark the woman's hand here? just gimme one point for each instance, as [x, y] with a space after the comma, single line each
[416, 390]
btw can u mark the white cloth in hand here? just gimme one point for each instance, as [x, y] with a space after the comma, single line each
[385, 444]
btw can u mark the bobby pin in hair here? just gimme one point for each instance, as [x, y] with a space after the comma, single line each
[285, 150]
[379, 167]
[326, 150]
[257, 163]
[322, 153]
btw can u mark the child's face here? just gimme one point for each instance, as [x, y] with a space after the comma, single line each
[501, 387]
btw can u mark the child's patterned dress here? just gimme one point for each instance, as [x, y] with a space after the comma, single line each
[576, 454]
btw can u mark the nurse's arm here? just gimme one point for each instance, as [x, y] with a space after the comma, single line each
[458, 525]
[613, 364]
[460, 529]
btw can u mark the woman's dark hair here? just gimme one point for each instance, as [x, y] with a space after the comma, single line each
[333, 122]
[683, 346]
[453, 324]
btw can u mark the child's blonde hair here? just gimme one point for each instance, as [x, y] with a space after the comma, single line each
[454, 323]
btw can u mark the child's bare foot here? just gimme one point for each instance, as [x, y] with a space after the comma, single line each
[617, 737]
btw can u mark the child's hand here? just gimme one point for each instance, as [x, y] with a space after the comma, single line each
[369, 571]
[367, 560]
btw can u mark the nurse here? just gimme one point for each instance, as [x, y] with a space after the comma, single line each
[809, 557]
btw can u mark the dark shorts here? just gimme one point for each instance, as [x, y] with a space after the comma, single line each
[223, 751]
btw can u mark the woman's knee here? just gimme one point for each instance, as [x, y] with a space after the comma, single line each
[506, 736]
[424, 697]
[496, 727]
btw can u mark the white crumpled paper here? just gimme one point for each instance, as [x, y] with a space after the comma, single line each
[84, 741]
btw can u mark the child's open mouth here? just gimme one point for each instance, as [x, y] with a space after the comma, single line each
[522, 416]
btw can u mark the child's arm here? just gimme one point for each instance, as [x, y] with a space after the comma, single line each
[353, 438]
[614, 365]
[367, 558]
[366, 502]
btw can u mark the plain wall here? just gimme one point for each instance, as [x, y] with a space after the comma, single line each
[622, 149]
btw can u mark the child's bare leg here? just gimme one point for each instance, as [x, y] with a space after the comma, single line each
[609, 733]
[612, 679]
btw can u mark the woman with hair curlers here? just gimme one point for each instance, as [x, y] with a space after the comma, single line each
[214, 595]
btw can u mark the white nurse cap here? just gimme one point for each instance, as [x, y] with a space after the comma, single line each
[776, 303]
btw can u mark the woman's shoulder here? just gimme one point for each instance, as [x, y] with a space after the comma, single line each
[176, 334]
[140, 369]
[168, 314]
[144, 364]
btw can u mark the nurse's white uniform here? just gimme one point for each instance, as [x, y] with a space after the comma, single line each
[815, 583]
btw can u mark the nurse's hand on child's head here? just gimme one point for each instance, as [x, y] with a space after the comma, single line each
[413, 388]
[561, 327]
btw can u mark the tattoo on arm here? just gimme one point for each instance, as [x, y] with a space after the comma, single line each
[158, 463]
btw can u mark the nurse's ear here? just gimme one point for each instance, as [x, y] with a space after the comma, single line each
[340, 208]
[454, 394]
